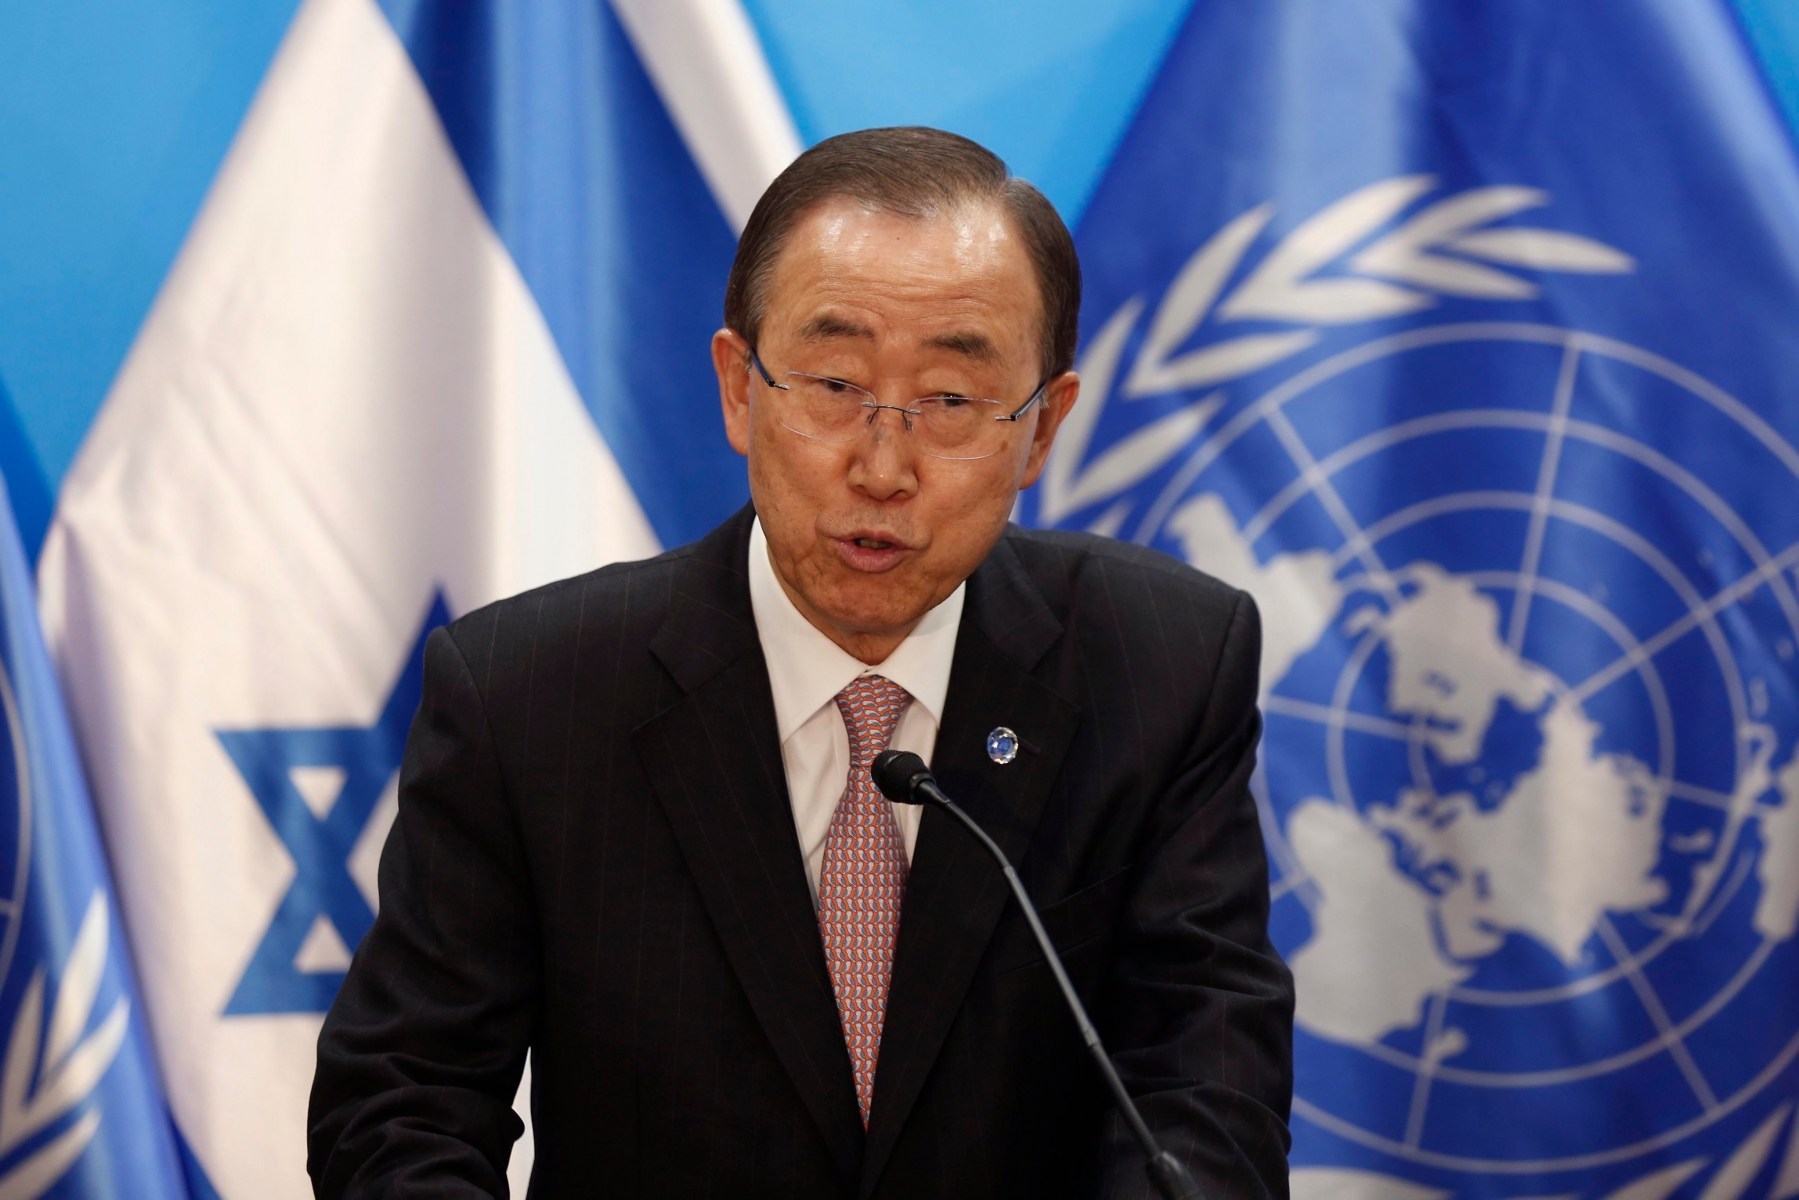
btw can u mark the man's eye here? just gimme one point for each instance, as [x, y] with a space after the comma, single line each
[948, 401]
[838, 387]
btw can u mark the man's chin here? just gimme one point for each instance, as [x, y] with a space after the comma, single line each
[871, 616]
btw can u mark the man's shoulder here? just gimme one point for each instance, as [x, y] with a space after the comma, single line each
[1076, 569]
[621, 602]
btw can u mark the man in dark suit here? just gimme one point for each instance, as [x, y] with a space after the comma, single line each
[637, 834]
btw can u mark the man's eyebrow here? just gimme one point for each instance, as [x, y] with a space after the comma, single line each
[977, 346]
[825, 325]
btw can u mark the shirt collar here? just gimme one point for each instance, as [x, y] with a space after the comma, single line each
[806, 669]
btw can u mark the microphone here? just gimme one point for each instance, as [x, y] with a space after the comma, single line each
[904, 779]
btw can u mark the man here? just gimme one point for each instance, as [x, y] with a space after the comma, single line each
[637, 832]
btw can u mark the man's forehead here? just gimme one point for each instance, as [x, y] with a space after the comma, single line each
[845, 220]
[843, 243]
[957, 280]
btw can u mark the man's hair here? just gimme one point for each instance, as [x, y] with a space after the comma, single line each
[911, 171]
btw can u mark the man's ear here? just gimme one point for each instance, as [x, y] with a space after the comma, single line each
[1057, 400]
[731, 360]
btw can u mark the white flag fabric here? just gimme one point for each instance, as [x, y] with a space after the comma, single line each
[348, 419]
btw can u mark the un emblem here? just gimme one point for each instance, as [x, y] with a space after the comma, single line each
[1529, 778]
[56, 1053]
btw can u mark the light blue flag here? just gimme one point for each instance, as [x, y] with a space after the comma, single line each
[1462, 335]
[81, 1109]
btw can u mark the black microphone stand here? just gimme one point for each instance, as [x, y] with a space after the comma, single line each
[904, 779]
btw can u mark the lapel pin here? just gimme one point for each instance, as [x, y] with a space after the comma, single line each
[1002, 745]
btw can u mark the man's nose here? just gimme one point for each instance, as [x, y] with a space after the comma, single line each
[884, 458]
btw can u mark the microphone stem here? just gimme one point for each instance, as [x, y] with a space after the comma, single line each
[1165, 1171]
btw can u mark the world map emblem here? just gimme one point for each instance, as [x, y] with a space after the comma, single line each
[1529, 777]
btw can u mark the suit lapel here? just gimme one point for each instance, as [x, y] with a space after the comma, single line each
[714, 760]
[956, 893]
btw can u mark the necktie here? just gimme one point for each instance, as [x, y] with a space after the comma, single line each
[863, 881]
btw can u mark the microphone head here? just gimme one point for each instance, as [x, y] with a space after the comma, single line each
[898, 773]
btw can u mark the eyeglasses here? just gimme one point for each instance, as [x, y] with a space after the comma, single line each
[944, 426]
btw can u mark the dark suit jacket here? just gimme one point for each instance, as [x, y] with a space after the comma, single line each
[595, 858]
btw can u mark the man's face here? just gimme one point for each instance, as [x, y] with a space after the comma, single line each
[868, 535]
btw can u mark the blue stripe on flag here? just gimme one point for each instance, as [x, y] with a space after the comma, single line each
[593, 192]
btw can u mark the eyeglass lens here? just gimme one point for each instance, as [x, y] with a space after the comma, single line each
[829, 410]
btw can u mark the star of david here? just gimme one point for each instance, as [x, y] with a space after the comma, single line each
[324, 903]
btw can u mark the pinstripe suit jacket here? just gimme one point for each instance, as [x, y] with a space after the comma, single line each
[595, 858]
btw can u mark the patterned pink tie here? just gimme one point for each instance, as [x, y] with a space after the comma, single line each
[863, 882]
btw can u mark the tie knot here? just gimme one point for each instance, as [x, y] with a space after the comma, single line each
[871, 708]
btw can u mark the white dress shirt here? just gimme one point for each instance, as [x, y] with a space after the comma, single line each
[806, 669]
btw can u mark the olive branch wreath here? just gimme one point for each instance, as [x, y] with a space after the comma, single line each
[50, 1069]
[1449, 248]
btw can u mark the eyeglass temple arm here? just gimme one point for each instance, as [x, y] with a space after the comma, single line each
[766, 377]
[1042, 390]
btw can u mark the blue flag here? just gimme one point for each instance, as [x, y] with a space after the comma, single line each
[1462, 335]
[81, 1109]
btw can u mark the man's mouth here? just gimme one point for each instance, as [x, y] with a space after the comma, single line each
[871, 552]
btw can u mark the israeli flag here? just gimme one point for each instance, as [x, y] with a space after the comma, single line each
[1462, 335]
[439, 334]
[81, 1108]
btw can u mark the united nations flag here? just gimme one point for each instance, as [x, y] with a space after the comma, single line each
[1462, 335]
[81, 1109]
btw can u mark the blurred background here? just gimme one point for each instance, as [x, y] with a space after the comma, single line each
[1462, 335]
[117, 117]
